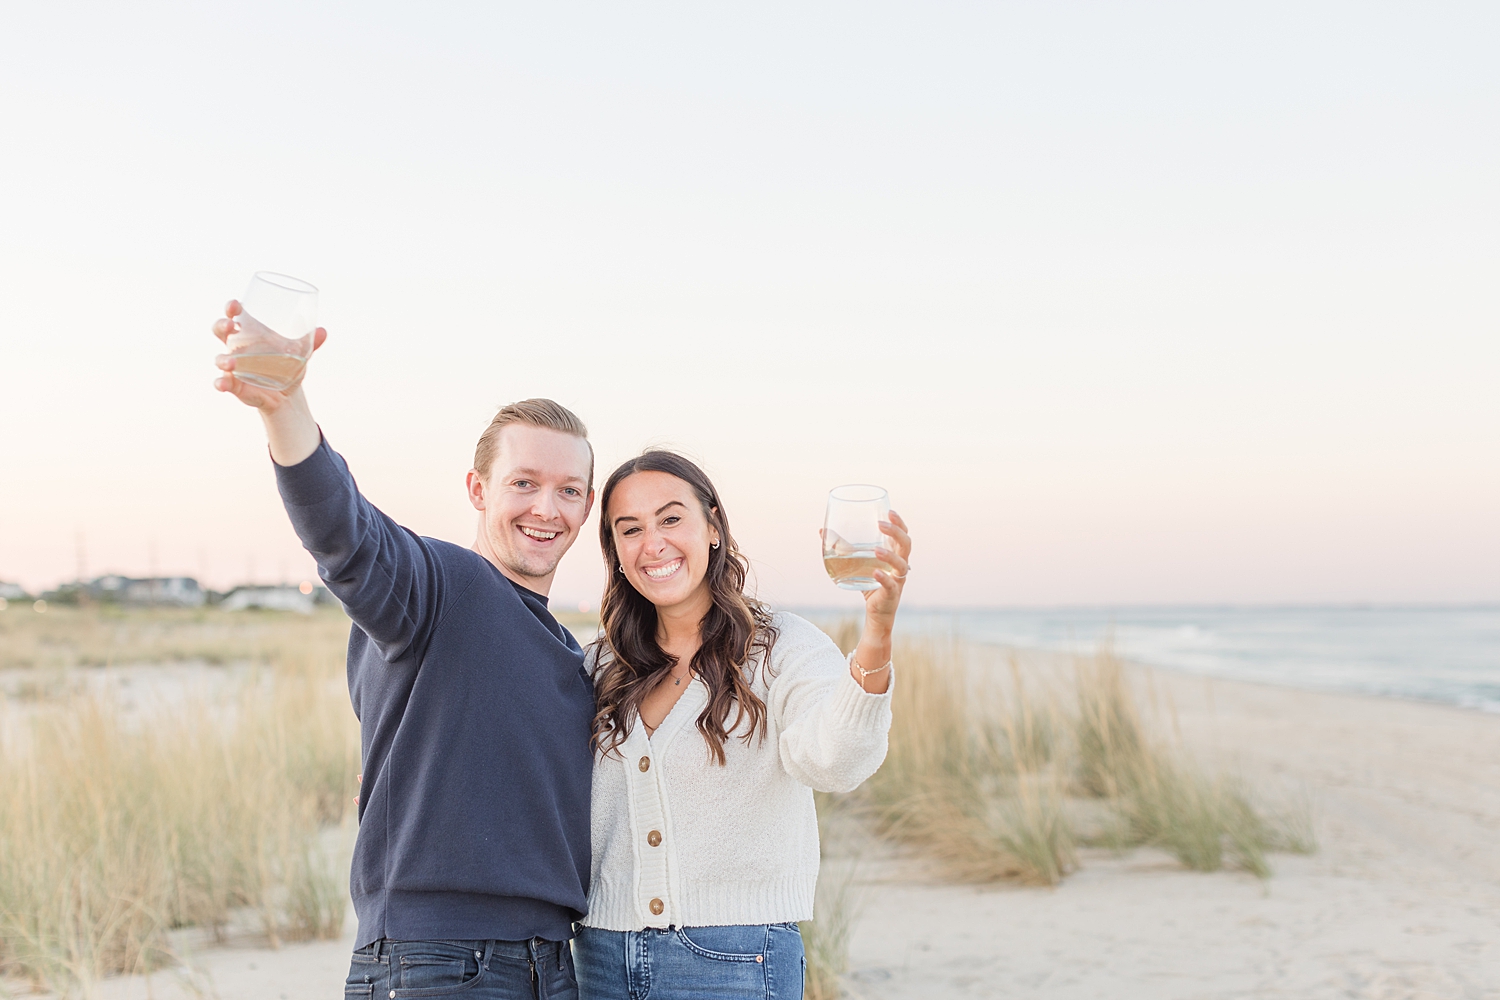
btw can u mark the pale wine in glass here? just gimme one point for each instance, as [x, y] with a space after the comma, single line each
[852, 535]
[273, 337]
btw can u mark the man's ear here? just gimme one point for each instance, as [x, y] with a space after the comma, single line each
[588, 506]
[474, 484]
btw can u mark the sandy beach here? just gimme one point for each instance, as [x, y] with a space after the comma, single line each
[1402, 899]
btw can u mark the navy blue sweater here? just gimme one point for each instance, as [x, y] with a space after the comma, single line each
[474, 715]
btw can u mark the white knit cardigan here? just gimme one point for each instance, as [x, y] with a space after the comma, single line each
[680, 841]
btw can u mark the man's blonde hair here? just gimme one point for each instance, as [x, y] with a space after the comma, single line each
[537, 413]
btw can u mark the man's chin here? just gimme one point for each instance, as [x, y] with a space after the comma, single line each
[532, 570]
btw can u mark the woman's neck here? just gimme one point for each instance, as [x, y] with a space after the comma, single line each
[679, 628]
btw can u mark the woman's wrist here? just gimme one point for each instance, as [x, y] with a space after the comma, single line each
[869, 665]
[875, 643]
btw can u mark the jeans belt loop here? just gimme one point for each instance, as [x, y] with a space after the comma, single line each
[489, 952]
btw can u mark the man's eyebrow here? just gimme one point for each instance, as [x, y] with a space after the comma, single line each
[537, 474]
[669, 503]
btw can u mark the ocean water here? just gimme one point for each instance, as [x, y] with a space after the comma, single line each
[1444, 654]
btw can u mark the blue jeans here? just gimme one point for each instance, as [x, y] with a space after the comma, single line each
[743, 962]
[476, 970]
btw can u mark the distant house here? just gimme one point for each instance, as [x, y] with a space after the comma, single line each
[173, 591]
[280, 598]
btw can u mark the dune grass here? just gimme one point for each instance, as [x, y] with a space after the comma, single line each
[997, 771]
[116, 829]
[997, 776]
[105, 635]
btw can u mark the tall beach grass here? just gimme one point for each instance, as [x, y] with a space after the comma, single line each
[106, 635]
[116, 828]
[1002, 771]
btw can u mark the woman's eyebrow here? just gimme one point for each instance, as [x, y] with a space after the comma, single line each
[632, 517]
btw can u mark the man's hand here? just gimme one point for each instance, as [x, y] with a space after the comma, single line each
[290, 428]
[265, 400]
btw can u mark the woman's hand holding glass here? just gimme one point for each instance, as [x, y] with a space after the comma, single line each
[865, 547]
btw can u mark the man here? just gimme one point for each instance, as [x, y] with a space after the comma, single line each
[472, 860]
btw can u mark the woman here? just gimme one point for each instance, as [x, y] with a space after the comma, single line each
[716, 720]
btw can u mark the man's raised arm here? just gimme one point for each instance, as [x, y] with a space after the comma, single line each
[379, 571]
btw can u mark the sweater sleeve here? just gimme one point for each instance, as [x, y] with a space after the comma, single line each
[832, 734]
[385, 575]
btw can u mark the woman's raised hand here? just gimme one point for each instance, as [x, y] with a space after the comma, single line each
[880, 604]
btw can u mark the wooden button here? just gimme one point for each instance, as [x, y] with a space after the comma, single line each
[645, 763]
[657, 906]
[654, 838]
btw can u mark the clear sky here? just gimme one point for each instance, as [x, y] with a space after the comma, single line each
[1123, 303]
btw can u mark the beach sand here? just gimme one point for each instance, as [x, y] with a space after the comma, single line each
[1402, 899]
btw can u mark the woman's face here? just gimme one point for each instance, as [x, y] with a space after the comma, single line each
[662, 538]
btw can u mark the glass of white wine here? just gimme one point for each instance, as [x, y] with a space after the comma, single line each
[852, 535]
[273, 337]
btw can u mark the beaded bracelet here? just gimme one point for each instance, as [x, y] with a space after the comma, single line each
[863, 673]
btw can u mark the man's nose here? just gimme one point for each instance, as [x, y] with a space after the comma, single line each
[544, 506]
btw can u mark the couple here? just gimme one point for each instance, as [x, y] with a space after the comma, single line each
[643, 808]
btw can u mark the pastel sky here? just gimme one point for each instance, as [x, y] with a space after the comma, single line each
[1123, 303]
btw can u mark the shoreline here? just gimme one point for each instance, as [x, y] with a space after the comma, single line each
[1438, 653]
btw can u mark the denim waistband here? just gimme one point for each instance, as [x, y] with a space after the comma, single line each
[533, 949]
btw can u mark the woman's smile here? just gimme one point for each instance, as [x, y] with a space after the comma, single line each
[664, 570]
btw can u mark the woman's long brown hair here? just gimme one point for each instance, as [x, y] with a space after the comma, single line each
[734, 629]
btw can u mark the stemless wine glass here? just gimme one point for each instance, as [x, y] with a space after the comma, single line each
[851, 535]
[274, 335]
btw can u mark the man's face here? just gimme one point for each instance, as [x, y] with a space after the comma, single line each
[533, 503]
